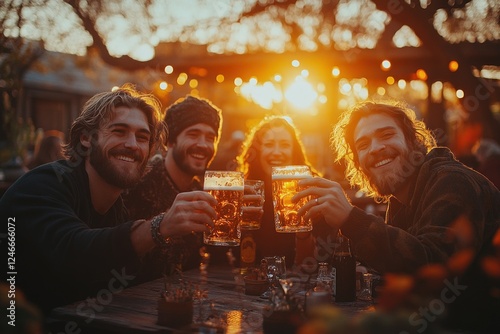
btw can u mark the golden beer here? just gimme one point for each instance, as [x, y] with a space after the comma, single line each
[285, 186]
[251, 205]
[227, 189]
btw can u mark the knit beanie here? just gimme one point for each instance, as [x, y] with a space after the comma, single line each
[189, 111]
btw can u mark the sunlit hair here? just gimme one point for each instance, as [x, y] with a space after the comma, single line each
[248, 160]
[417, 136]
[99, 109]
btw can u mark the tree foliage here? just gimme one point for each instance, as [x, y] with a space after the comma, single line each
[120, 31]
[243, 26]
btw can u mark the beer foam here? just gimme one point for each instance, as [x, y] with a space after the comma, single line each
[216, 187]
[291, 177]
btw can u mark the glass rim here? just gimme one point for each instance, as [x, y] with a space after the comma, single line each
[227, 179]
[226, 172]
[290, 167]
[291, 170]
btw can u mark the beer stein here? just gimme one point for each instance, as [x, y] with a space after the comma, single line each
[251, 205]
[285, 185]
[227, 188]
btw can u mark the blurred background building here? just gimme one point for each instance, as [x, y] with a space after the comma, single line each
[309, 60]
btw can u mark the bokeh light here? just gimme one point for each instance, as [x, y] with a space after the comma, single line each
[421, 74]
[335, 71]
[182, 78]
[193, 83]
[219, 78]
[169, 69]
[385, 65]
[453, 66]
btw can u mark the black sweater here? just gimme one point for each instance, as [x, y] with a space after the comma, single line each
[452, 210]
[441, 191]
[64, 249]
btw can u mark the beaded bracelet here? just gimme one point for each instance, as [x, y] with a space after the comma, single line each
[155, 231]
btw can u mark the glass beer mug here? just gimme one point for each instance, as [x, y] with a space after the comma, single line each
[285, 186]
[251, 205]
[227, 188]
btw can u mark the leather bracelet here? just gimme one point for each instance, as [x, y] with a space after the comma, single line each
[159, 240]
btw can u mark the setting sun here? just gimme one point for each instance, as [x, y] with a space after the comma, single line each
[301, 93]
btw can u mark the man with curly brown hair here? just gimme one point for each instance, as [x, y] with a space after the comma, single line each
[438, 209]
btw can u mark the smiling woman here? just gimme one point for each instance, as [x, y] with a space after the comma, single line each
[275, 141]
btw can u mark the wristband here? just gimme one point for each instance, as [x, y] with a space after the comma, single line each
[159, 240]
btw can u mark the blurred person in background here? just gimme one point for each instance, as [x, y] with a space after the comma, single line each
[194, 125]
[228, 151]
[49, 149]
[275, 141]
[442, 216]
[73, 236]
[487, 153]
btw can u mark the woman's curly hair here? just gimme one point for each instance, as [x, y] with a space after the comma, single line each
[248, 161]
[418, 137]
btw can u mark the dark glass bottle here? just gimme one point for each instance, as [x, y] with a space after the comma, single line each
[247, 251]
[345, 266]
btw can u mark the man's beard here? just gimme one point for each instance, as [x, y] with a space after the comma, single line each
[181, 159]
[110, 173]
[386, 185]
[389, 183]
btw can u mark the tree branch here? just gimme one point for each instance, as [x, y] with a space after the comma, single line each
[124, 62]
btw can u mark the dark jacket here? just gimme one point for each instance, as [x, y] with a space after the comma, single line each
[452, 208]
[154, 194]
[64, 249]
[442, 190]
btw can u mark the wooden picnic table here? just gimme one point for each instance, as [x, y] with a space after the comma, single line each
[224, 308]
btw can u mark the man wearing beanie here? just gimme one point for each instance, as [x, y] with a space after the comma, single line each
[194, 125]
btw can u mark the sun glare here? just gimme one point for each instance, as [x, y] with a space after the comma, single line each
[301, 93]
[264, 95]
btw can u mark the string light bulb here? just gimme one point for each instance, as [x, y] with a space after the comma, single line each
[453, 66]
[335, 71]
[421, 74]
[385, 65]
[169, 69]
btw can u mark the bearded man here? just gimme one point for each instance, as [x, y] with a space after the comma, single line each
[68, 229]
[438, 209]
[194, 126]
